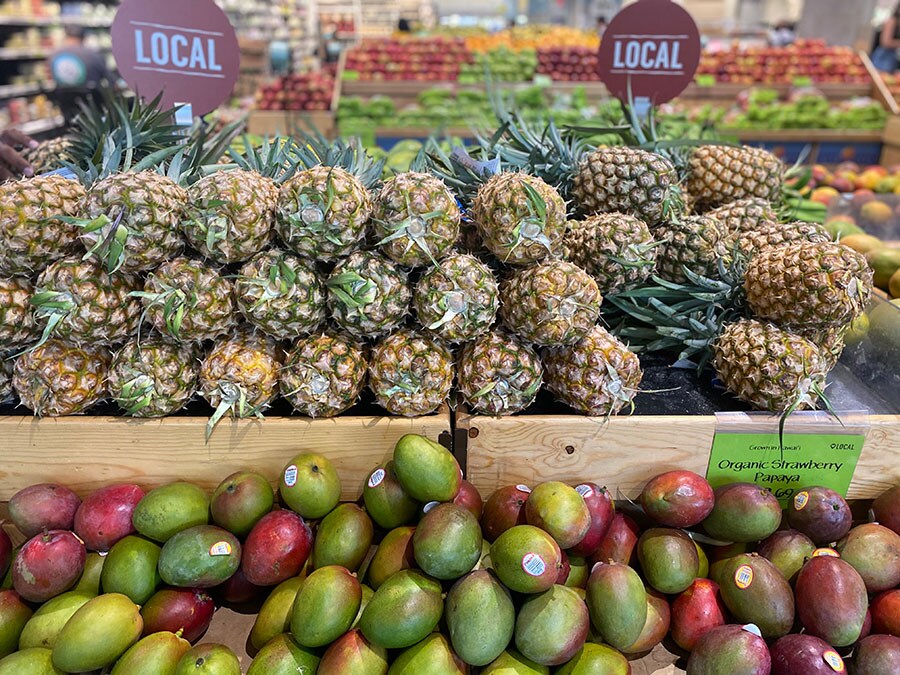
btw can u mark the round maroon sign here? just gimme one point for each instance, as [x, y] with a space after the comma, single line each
[652, 49]
[186, 49]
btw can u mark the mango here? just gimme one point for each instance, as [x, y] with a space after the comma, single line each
[620, 541]
[678, 499]
[427, 471]
[185, 611]
[274, 616]
[469, 498]
[352, 654]
[394, 553]
[367, 595]
[668, 559]
[325, 606]
[156, 654]
[105, 515]
[209, 659]
[696, 611]
[526, 559]
[755, 592]
[596, 659]
[447, 542]
[831, 600]
[503, 510]
[894, 285]
[820, 513]
[552, 626]
[805, 654]
[874, 655]
[343, 538]
[602, 508]
[787, 550]
[480, 617]
[310, 486]
[35, 660]
[885, 610]
[89, 581]
[617, 602]
[512, 662]
[659, 618]
[884, 262]
[862, 243]
[403, 611]
[45, 506]
[130, 569]
[283, 656]
[431, 656]
[560, 511]
[874, 552]
[386, 500]
[44, 627]
[730, 649]
[14, 616]
[743, 512]
[240, 500]
[98, 634]
[48, 564]
[167, 510]
[276, 549]
[6, 553]
[199, 557]
[579, 571]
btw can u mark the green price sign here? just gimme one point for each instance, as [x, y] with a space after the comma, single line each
[808, 454]
[705, 80]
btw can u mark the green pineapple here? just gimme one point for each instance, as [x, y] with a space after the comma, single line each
[154, 376]
[745, 215]
[17, 324]
[769, 234]
[694, 243]
[721, 174]
[7, 365]
[323, 375]
[499, 374]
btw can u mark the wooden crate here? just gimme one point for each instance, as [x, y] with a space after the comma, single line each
[86, 453]
[286, 122]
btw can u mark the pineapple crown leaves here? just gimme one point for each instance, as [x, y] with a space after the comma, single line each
[175, 304]
[463, 170]
[353, 289]
[55, 307]
[137, 393]
[232, 398]
[454, 303]
[415, 227]
[280, 281]
[111, 240]
[531, 227]
[275, 158]
[348, 154]
[314, 209]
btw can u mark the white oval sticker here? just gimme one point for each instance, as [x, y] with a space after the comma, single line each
[523, 488]
[533, 564]
[584, 490]
[376, 478]
[290, 475]
[220, 548]
[429, 506]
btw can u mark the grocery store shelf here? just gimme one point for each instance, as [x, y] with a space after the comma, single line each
[25, 21]
[8, 91]
[42, 126]
[24, 54]
[805, 135]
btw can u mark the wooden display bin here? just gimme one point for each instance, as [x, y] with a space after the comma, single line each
[290, 122]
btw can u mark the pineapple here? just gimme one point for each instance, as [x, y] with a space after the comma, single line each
[7, 365]
[830, 343]
[188, 301]
[775, 234]
[154, 376]
[416, 219]
[281, 294]
[627, 180]
[597, 376]
[240, 375]
[616, 249]
[323, 375]
[745, 215]
[808, 286]
[410, 374]
[550, 304]
[79, 302]
[368, 295]
[695, 243]
[322, 213]
[457, 300]
[50, 155]
[721, 174]
[230, 215]
[132, 220]
[769, 368]
[58, 378]
[17, 324]
[521, 218]
[498, 374]
[32, 234]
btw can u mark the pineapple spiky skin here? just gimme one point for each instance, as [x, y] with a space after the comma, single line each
[457, 300]
[281, 294]
[777, 234]
[141, 221]
[769, 368]
[597, 376]
[745, 215]
[618, 250]
[81, 303]
[627, 180]
[720, 174]
[49, 155]
[188, 301]
[521, 218]
[7, 366]
[240, 372]
[17, 323]
[322, 213]
[830, 342]
[498, 374]
[231, 215]
[550, 304]
[58, 378]
[154, 376]
[416, 219]
[31, 234]
[410, 373]
[323, 375]
[369, 295]
[697, 243]
[808, 286]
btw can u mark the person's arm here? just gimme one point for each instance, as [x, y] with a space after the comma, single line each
[887, 40]
[12, 164]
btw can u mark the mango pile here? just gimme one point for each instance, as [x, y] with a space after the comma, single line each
[421, 576]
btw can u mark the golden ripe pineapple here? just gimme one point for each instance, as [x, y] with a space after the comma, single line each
[696, 243]
[769, 368]
[720, 174]
[7, 365]
[17, 324]
[598, 375]
[770, 233]
[830, 343]
[58, 378]
[154, 376]
[323, 375]
[499, 374]
[744, 215]
[49, 155]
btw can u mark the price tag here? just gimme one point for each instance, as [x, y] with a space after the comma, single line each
[814, 450]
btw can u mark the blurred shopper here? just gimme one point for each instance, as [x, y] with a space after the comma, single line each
[601, 26]
[884, 56]
[783, 34]
[77, 70]
[12, 164]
